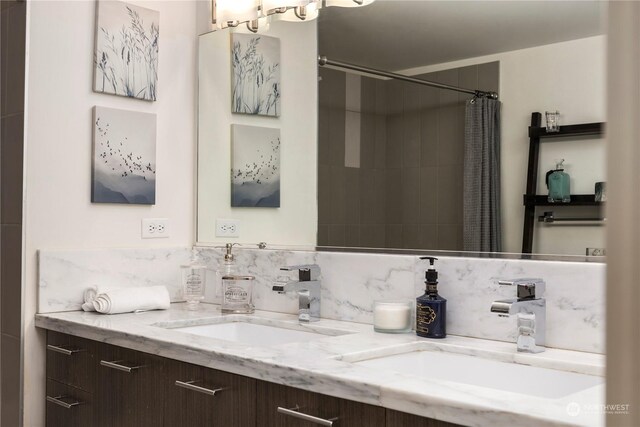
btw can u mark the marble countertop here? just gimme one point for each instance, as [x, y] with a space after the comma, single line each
[324, 365]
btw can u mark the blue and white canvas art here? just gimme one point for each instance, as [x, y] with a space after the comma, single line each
[255, 74]
[126, 54]
[255, 167]
[124, 157]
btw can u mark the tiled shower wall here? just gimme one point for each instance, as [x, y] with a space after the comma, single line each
[391, 159]
[12, 60]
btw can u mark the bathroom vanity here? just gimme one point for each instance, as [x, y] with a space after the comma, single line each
[84, 389]
[189, 368]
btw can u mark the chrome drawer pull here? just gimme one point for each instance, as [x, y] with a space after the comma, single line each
[116, 365]
[189, 385]
[66, 351]
[294, 412]
[58, 401]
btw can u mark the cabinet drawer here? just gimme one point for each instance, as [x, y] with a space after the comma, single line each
[196, 396]
[284, 406]
[70, 360]
[128, 388]
[401, 419]
[68, 406]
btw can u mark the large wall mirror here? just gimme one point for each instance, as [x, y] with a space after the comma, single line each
[370, 157]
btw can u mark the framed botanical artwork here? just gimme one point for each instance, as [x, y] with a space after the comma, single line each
[124, 157]
[255, 167]
[255, 75]
[126, 52]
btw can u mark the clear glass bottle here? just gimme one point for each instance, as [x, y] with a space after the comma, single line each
[559, 185]
[227, 268]
[237, 294]
[194, 279]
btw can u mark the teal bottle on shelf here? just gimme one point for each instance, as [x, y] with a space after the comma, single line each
[558, 183]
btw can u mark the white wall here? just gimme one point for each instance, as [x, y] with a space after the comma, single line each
[569, 77]
[58, 212]
[295, 222]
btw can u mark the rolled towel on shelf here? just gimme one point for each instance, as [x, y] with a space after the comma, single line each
[126, 300]
[91, 293]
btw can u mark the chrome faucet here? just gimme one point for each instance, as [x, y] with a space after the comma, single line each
[530, 309]
[308, 289]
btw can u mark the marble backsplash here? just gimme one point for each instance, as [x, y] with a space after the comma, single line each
[351, 282]
[65, 274]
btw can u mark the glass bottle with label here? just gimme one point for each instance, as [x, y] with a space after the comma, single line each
[237, 294]
[227, 268]
[431, 308]
[194, 279]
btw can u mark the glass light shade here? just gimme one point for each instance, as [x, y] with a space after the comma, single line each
[347, 3]
[236, 10]
[291, 16]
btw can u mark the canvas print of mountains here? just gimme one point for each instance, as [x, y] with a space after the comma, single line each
[255, 167]
[126, 53]
[124, 157]
[255, 61]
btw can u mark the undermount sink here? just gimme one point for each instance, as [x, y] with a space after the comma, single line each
[250, 331]
[482, 372]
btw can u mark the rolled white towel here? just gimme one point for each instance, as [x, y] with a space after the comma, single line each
[126, 300]
[90, 295]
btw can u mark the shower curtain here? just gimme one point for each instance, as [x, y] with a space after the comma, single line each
[481, 184]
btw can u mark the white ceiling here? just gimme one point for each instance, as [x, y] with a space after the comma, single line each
[398, 34]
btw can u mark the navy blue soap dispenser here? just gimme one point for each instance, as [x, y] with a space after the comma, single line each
[431, 308]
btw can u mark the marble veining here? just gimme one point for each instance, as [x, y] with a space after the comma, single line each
[351, 281]
[64, 275]
[323, 365]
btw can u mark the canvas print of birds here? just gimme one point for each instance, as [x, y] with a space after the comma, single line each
[126, 52]
[124, 157]
[255, 167]
[255, 74]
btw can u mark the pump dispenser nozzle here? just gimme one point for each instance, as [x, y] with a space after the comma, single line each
[229, 256]
[431, 275]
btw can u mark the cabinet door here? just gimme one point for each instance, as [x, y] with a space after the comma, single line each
[68, 406]
[283, 406]
[401, 419]
[128, 389]
[70, 360]
[196, 396]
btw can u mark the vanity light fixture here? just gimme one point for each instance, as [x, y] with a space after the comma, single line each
[257, 13]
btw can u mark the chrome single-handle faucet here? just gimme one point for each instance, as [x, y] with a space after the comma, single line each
[308, 289]
[531, 311]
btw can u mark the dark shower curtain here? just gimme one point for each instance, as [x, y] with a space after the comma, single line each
[481, 186]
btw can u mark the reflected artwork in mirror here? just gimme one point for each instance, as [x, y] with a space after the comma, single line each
[255, 171]
[403, 165]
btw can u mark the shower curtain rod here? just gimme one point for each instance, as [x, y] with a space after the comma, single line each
[324, 61]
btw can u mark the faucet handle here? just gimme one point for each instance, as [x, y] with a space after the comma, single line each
[306, 272]
[527, 288]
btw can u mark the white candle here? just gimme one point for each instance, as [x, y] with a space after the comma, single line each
[391, 316]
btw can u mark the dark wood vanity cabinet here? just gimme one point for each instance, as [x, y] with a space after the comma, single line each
[395, 418]
[129, 388]
[96, 384]
[198, 396]
[282, 406]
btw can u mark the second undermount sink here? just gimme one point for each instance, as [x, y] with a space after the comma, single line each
[253, 331]
[483, 372]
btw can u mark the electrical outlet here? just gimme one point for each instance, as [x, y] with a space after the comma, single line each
[227, 228]
[155, 228]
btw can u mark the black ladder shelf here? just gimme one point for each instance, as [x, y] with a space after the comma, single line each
[538, 134]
